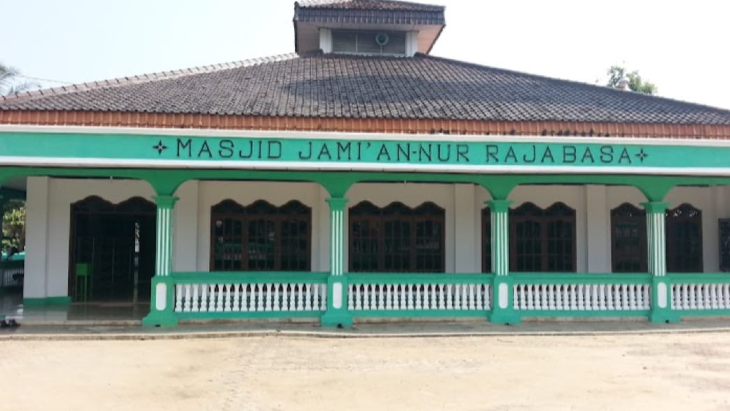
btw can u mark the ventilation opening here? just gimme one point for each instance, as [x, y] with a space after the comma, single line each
[369, 42]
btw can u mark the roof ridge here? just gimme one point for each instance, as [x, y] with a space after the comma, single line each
[575, 82]
[146, 77]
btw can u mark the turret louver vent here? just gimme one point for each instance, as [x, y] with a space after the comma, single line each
[369, 42]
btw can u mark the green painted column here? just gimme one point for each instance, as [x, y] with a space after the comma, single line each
[337, 314]
[503, 311]
[661, 310]
[161, 302]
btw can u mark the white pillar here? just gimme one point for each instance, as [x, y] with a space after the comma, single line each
[36, 238]
[185, 228]
[598, 230]
[466, 228]
[323, 238]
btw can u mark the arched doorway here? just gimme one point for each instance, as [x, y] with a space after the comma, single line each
[112, 253]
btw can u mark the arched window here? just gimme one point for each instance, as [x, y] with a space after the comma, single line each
[260, 237]
[684, 239]
[527, 238]
[396, 238]
[542, 240]
[628, 239]
[560, 238]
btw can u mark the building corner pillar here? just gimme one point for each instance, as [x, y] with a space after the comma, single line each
[661, 294]
[337, 314]
[503, 311]
[162, 295]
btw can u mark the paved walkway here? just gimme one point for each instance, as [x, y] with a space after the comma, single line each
[675, 371]
[369, 330]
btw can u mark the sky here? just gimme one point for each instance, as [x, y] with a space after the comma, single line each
[681, 46]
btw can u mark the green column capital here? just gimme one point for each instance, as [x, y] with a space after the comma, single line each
[337, 203]
[165, 201]
[655, 207]
[498, 206]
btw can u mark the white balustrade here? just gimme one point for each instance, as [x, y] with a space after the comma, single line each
[267, 297]
[419, 297]
[581, 297]
[706, 296]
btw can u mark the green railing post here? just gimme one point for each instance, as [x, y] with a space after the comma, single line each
[503, 311]
[162, 303]
[337, 314]
[661, 310]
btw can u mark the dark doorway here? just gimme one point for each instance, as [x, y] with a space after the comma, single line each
[112, 255]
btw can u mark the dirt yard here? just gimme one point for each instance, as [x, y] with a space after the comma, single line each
[630, 372]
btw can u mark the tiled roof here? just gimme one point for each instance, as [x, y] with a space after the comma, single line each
[368, 12]
[368, 5]
[346, 86]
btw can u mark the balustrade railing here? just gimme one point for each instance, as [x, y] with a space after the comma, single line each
[567, 294]
[371, 294]
[247, 294]
[261, 294]
[700, 293]
[12, 273]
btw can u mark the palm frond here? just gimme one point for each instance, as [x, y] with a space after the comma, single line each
[9, 82]
[18, 88]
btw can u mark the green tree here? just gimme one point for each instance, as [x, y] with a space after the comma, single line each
[636, 83]
[10, 83]
[14, 225]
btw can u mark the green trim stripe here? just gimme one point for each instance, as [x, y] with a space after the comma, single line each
[40, 302]
[192, 149]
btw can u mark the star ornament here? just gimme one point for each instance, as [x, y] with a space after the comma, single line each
[160, 147]
[641, 155]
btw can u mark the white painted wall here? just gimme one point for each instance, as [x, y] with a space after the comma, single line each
[186, 230]
[467, 233]
[49, 200]
[597, 230]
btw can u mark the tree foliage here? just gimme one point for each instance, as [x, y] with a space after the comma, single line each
[636, 83]
[10, 83]
[14, 225]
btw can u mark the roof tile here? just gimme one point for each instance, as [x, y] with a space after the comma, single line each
[347, 86]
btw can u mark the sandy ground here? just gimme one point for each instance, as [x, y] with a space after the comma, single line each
[621, 372]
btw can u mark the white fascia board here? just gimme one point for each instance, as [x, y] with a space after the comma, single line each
[347, 166]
